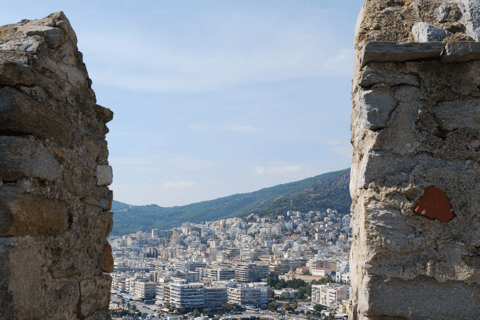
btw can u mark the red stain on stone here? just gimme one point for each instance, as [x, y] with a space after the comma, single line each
[473, 139]
[434, 205]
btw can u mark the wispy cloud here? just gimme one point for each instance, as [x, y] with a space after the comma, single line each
[280, 170]
[238, 128]
[259, 170]
[199, 127]
[294, 48]
[178, 184]
[276, 170]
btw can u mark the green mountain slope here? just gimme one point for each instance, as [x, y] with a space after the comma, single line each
[329, 190]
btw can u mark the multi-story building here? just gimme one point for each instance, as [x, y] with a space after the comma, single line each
[146, 290]
[215, 297]
[163, 293]
[192, 266]
[217, 274]
[254, 294]
[330, 295]
[279, 267]
[187, 295]
[250, 272]
[224, 274]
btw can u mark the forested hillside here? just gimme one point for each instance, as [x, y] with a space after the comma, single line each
[329, 190]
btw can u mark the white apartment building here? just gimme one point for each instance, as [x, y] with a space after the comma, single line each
[217, 274]
[130, 285]
[250, 272]
[343, 276]
[330, 295]
[255, 294]
[187, 295]
[321, 272]
[146, 290]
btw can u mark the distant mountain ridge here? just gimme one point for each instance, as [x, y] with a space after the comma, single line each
[329, 190]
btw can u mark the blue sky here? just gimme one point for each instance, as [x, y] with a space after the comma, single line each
[213, 98]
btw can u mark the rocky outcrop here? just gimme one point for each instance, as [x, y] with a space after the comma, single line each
[54, 177]
[415, 177]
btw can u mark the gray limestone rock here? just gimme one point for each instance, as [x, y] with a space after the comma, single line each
[461, 52]
[394, 51]
[425, 32]
[104, 175]
[471, 17]
[442, 13]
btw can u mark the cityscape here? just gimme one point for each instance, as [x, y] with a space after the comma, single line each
[293, 264]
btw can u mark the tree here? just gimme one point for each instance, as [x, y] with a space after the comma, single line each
[128, 306]
[195, 313]
[227, 306]
[123, 303]
[205, 311]
[182, 311]
[318, 307]
[280, 285]
[273, 306]
[134, 307]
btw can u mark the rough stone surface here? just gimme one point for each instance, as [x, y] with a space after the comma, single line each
[104, 175]
[388, 51]
[425, 32]
[54, 215]
[415, 129]
[461, 52]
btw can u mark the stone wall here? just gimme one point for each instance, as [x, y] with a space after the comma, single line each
[54, 199]
[415, 177]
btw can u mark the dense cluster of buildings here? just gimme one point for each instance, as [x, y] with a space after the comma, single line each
[204, 265]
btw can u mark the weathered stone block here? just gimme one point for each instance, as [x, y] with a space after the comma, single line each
[20, 157]
[391, 51]
[461, 51]
[54, 36]
[453, 115]
[415, 299]
[104, 175]
[95, 295]
[104, 203]
[107, 259]
[25, 215]
[22, 114]
[425, 32]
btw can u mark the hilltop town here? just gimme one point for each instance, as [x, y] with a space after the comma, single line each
[236, 263]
